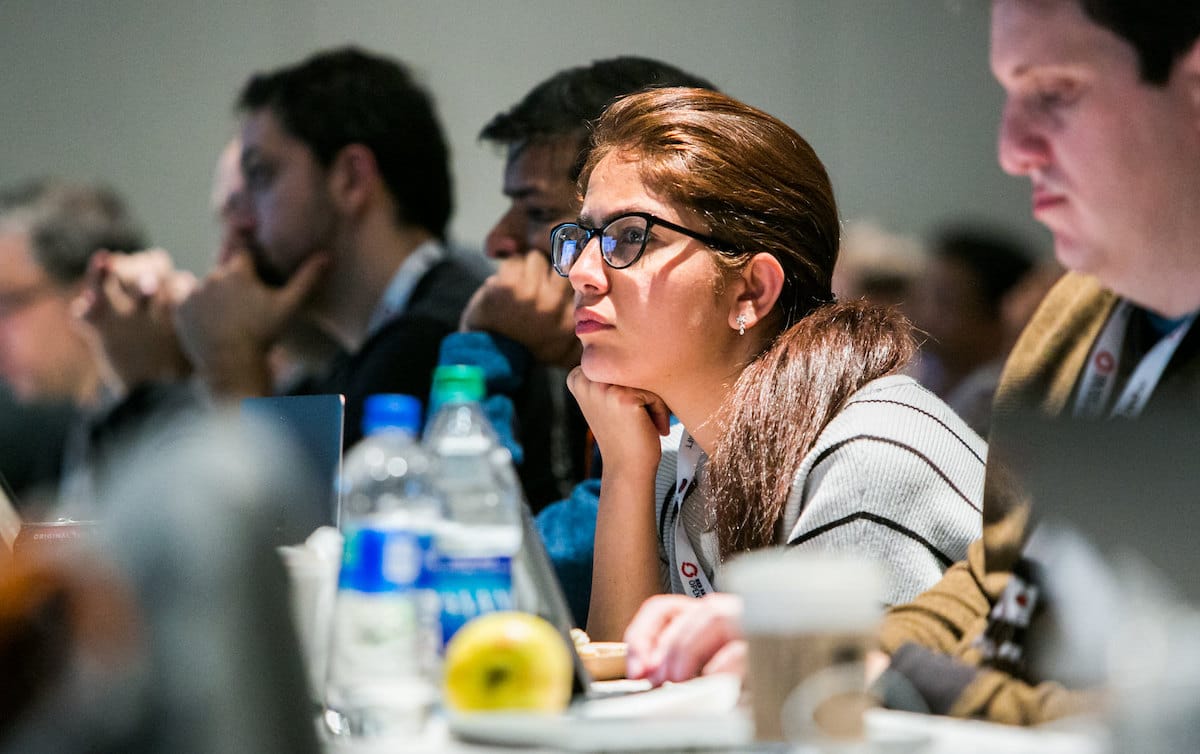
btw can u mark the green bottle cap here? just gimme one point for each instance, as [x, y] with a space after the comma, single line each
[456, 383]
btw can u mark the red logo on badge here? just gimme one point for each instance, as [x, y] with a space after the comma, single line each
[689, 570]
[1105, 362]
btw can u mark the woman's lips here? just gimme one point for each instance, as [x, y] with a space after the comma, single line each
[586, 323]
[587, 326]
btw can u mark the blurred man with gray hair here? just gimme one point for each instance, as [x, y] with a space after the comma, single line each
[49, 230]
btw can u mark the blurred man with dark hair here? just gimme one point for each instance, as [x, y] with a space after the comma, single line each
[348, 192]
[546, 138]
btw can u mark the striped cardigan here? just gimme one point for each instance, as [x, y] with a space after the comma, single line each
[895, 477]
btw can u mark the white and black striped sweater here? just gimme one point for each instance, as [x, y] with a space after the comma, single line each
[895, 477]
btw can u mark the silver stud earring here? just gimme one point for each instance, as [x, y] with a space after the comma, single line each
[741, 323]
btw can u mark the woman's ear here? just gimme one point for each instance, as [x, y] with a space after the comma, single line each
[758, 287]
[353, 177]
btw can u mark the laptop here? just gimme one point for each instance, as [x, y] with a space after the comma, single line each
[313, 425]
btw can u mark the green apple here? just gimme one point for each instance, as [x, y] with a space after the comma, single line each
[507, 661]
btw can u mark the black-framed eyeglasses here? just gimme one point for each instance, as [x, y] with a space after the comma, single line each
[622, 240]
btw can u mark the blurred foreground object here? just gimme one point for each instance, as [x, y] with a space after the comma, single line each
[807, 619]
[196, 651]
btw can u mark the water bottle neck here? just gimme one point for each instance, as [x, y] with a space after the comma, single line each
[408, 433]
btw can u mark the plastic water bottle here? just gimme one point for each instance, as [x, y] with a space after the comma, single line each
[385, 634]
[481, 532]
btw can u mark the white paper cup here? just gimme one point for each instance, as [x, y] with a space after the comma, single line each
[312, 574]
[804, 615]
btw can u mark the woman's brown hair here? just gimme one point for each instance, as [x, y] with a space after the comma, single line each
[754, 181]
[760, 187]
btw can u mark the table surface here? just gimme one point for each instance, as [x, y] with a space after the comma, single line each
[917, 733]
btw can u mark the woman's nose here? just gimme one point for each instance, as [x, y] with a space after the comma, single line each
[589, 273]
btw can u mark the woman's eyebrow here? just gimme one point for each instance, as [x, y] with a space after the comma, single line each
[586, 220]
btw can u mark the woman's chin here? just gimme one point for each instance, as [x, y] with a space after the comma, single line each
[597, 368]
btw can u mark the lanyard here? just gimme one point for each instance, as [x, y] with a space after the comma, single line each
[691, 573]
[1101, 371]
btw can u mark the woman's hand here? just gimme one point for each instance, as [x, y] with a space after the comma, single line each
[675, 637]
[626, 422]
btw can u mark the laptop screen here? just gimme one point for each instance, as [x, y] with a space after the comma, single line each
[1126, 485]
[314, 425]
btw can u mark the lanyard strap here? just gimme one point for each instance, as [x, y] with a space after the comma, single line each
[695, 582]
[1101, 372]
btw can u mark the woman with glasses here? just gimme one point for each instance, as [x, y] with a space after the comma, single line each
[701, 264]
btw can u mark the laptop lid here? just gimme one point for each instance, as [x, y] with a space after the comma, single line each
[314, 424]
[533, 566]
[1129, 486]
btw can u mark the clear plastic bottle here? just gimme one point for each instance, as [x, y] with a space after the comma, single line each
[382, 677]
[481, 533]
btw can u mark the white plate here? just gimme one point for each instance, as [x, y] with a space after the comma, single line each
[701, 713]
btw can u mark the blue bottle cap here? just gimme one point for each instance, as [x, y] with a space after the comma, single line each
[391, 411]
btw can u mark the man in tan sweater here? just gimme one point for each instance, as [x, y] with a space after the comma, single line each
[1103, 115]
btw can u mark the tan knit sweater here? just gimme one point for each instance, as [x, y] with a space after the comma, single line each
[1040, 376]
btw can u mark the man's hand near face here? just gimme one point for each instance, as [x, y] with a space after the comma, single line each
[229, 323]
[527, 301]
[128, 302]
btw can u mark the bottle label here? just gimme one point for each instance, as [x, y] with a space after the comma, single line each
[387, 560]
[471, 586]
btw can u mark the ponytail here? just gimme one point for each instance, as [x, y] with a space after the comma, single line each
[781, 403]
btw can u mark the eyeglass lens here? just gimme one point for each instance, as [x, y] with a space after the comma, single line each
[621, 242]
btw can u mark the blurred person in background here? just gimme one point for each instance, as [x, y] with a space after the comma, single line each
[959, 305]
[882, 267]
[304, 348]
[129, 302]
[348, 190]
[49, 229]
[1023, 299]
[48, 232]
